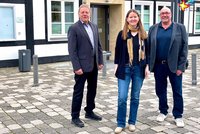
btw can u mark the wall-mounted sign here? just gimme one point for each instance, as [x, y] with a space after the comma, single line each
[20, 20]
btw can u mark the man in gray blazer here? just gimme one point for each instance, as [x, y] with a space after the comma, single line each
[86, 56]
[168, 44]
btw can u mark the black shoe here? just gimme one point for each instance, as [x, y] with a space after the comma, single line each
[77, 122]
[93, 116]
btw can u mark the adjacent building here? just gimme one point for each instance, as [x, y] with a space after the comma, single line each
[42, 25]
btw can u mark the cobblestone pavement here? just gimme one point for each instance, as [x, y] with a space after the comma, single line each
[45, 109]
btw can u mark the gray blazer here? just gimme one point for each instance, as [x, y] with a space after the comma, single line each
[178, 50]
[80, 47]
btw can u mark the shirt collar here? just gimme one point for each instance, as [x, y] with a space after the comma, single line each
[85, 23]
[160, 25]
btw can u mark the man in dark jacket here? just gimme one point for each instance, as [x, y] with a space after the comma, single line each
[168, 44]
[86, 56]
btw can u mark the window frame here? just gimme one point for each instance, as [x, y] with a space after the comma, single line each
[142, 4]
[157, 11]
[63, 35]
[196, 31]
[14, 23]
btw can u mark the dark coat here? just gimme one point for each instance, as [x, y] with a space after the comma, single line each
[80, 47]
[178, 49]
[121, 51]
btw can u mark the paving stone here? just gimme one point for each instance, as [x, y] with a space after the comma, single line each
[64, 131]
[37, 103]
[4, 130]
[83, 132]
[37, 122]
[8, 122]
[158, 128]
[1, 126]
[52, 113]
[21, 111]
[105, 129]
[34, 110]
[47, 107]
[27, 125]
[55, 125]
[19, 131]
[46, 110]
[14, 126]
[30, 107]
[10, 111]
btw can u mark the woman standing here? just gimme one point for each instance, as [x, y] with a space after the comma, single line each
[131, 60]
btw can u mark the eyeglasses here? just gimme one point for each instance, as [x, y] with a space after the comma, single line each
[162, 13]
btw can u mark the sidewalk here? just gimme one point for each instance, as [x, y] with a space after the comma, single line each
[45, 109]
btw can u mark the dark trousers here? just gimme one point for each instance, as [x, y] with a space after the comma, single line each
[80, 80]
[161, 73]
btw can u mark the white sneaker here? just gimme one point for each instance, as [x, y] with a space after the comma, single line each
[161, 117]
[118, 130]
[131, 127]
[179, 122]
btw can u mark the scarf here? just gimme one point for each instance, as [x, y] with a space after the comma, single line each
[130, 45]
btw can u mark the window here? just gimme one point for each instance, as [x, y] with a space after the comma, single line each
[62, 17]
[144, 14]
[145, 11]
[160, 5]
[197, 20]
[7, 23]
[146, 20]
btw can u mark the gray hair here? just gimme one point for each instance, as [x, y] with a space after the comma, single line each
[82, 6]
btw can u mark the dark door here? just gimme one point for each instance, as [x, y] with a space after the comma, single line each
[100, 16]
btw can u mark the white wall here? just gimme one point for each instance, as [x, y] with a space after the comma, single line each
[127, 7]
[51, 50]
[19, 20]
[11, 52]
[39, 19]
[194, 40]
[8, 53]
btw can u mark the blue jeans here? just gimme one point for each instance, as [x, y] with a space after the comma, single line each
[135, 74]
[161, 72]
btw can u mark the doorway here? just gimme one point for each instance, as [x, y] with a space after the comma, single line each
[100, 16]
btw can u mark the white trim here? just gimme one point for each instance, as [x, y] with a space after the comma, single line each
[160, 4]
[62, 37]
[19, 21]
[127, 6]
[145, 3]
[39, 19]
[53, 50]
[196, 31]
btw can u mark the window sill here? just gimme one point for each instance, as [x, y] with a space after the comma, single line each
[58, 38]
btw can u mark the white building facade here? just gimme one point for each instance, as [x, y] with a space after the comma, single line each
[42, 25]
[150, 9]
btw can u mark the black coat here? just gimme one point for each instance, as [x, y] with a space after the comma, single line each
[121, 51]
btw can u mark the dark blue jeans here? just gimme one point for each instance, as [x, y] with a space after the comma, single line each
[135, 76]
[161, 73]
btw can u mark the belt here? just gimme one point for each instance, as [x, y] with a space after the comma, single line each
[162, 62]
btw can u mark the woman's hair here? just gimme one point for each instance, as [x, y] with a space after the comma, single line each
[139, 25]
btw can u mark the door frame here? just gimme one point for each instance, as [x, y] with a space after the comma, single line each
[106, 8]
